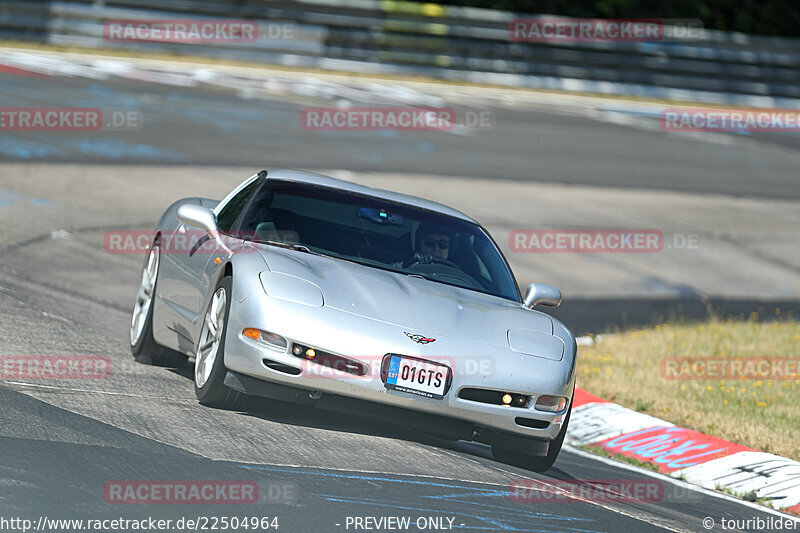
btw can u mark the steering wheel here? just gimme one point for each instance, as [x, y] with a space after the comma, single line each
[427, 259]
[446, 271]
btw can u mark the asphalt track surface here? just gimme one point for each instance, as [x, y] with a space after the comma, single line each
[62, 293]
[210, 125]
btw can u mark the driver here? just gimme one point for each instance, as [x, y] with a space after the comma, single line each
[430, 243]
[433, 242]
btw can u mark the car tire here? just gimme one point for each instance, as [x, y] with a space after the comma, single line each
[532, 462]
[209, 366]
[144, 348]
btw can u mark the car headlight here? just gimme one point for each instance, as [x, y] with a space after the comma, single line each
[536, 343]
[291, 289]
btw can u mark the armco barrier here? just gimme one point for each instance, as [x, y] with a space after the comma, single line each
[455, 43]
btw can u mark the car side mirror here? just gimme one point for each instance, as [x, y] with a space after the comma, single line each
[539, 293]
[197, 216]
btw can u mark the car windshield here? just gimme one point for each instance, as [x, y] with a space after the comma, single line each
[378, 233]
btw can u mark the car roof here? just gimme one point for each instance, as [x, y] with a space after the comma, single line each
[313, 178]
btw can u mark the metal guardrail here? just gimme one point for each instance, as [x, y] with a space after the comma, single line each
[454, 43]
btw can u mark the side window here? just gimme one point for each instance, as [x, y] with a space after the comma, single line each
[230, 213]
[258, 220]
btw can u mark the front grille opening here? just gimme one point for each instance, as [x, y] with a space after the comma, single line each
[281, 367]
[531, 423]
[494, 397]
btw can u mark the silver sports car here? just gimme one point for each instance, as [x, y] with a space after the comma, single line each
[305, 288]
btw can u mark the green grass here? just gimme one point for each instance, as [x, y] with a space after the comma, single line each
[763, 414]
[767, 502]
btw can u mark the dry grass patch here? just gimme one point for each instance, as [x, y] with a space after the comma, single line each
[760, 413]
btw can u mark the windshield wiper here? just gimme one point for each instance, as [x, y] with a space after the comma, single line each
[287, 245]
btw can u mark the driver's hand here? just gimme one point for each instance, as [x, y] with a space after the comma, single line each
[419, 259]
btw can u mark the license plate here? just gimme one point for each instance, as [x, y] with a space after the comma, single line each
[416, 376]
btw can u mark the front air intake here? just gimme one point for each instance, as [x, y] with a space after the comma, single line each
[531, 423]
[282, 367]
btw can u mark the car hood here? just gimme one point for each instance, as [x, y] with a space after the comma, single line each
[419, 306]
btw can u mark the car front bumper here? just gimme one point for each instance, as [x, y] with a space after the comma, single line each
[494, 368]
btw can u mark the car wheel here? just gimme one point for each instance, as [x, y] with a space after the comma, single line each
[143, 346]
[209, 366]
[531, 462]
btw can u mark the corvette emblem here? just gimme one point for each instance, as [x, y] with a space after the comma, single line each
[418, 338]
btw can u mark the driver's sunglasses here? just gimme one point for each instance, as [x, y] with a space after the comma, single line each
[444, 244]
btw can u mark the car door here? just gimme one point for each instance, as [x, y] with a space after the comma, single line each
[192, 257]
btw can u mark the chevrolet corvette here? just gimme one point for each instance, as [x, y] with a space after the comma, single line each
[304, 288]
